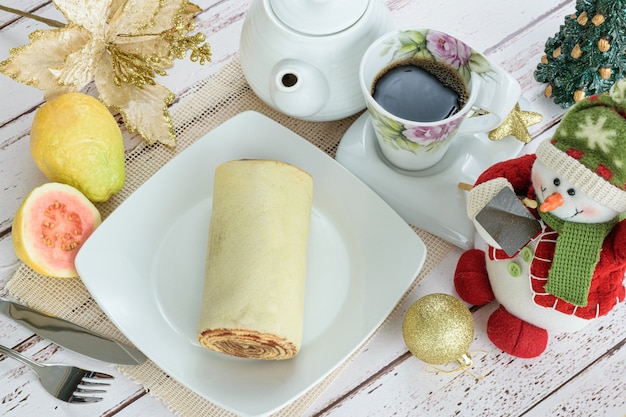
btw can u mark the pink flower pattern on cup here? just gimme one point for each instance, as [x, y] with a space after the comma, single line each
[426, 135]
[448, 49]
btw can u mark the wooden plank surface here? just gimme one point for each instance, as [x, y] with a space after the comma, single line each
[581, 374]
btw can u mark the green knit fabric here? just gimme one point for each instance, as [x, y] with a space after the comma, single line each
[575, 257]
[593, 133]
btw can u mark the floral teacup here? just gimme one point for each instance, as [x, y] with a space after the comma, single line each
[414, 145]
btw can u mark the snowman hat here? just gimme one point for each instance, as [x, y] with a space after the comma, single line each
[589, 147]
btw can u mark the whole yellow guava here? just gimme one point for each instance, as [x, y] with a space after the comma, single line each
[75, 140]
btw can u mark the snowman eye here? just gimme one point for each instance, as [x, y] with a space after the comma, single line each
[556, 182]
[571, 192]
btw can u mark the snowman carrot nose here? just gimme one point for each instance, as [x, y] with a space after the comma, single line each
[551, 202]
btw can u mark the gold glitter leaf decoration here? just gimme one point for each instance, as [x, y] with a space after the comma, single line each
[120, 45]
[47, 51]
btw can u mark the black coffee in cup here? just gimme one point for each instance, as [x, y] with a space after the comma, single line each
[420, 90]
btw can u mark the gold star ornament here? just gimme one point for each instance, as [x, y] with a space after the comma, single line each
[516, 124]
[120, 45]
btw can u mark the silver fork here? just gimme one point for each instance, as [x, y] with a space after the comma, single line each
[65, 381]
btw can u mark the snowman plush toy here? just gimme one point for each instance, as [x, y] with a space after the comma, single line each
[572, 271]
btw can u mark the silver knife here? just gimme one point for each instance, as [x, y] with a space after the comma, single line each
[72, 336]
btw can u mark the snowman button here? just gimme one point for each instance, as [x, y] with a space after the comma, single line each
[527, 254]
[514, 269]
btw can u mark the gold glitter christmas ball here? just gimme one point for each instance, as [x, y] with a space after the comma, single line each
[438, 329]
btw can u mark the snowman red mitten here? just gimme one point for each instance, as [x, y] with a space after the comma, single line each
[573, 270]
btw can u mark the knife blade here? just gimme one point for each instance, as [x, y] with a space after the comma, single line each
[71, 335]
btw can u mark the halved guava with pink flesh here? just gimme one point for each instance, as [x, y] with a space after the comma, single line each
[50, 227]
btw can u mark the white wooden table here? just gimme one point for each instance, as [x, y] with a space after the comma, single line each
[580, 374]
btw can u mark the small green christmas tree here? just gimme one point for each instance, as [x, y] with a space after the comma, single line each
[587, 56]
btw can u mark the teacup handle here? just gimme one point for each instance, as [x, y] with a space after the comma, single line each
[498, 92]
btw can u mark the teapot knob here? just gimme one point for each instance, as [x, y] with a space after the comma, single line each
[297, 88]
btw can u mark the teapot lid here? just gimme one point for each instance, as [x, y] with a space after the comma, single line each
[319, 17]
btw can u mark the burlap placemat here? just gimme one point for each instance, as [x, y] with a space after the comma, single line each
[206, 105]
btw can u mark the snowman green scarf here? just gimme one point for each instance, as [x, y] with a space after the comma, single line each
[575, 257]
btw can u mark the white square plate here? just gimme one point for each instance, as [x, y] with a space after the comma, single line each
[145, 267]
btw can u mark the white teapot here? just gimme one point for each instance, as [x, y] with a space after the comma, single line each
[302, 57]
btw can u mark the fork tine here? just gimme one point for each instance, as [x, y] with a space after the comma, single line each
[98, 375]
[79, 399]
[87, 383]
[81, 390]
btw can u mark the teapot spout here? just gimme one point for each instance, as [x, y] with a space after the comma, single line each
[298, 89]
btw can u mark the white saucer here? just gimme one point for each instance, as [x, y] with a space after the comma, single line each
[429, 199]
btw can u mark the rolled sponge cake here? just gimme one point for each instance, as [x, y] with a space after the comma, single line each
[253, 298]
